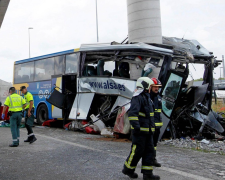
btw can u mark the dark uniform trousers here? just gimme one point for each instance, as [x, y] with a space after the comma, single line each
[156, 139]
[29, 121]
[15, 120]
[142, 147]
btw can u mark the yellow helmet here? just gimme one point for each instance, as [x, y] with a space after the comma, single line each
[144, 82]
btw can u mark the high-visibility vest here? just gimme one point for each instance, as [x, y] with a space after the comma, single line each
[15, 102]
[28, 97]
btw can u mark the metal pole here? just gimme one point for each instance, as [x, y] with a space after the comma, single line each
[29, 39]
[97, 19]
[223, 66]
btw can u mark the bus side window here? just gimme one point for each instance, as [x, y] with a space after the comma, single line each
[105, 68]
[59, 65]
[71, 63]
[24, 72]
[44, 69]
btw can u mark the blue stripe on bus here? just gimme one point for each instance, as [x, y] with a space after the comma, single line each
[45, 56]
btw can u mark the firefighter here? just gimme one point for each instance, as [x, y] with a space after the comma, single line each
[29, 114]
[154, 93]
[15, 103]
[141, 117]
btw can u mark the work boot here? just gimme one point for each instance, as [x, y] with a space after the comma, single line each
[13, 145]
[156, 164]
[32, 139]
[28, 139]
[150, 177]
[131, 175]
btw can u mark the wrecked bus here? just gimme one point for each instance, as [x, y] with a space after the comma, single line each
[102, 84]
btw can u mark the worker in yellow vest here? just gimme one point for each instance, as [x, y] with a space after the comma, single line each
[15, 103]
[29, 114]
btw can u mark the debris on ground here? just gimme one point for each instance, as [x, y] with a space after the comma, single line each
[107, 132]
[5, 124]
[205, 145]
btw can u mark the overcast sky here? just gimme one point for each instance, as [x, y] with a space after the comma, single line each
[63, 25]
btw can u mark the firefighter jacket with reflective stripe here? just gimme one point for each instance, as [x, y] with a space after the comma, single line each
[141, 113]
[157, 101]
[15, 102]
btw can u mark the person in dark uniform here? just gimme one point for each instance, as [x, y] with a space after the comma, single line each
[15, 103]
[29, 114]
[154, 93]
[141, 117]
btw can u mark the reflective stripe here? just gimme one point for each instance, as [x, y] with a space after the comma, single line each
[159, 124]
[144, 129]
[158, 110]
[131, 157]
[152, 114]
[155, 148]
[147, 167]
[15, 140]
[133, 118]
[153, 129]
[142, 114]
[13, 107]
[128, 166]
[31, 134]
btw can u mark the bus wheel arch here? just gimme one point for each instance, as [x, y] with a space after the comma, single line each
[42, 113]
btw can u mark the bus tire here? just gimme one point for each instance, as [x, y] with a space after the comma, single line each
[42, 114]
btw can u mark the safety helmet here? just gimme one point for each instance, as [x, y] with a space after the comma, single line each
[156, 82]
[144, 82]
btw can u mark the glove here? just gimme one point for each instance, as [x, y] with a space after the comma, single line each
[3, 116]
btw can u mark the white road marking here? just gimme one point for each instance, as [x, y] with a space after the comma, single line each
[182, 173]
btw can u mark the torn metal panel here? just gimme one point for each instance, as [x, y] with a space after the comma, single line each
[192, 46]
[166, 122]
[120, 101]
[211, 121]
[81, 105]
[109, 86]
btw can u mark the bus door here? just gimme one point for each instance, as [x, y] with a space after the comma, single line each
[69, 88]
[57, 84]
[170, 97]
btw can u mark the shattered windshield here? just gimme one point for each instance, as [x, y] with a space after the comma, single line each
[170, 93]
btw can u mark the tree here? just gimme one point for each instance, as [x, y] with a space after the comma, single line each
[200, 79]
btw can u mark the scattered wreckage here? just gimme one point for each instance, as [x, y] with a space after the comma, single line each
[106, 79]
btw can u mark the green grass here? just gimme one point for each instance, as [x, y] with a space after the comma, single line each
[219, 107]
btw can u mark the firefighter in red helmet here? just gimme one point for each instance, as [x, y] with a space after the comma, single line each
[154, 94]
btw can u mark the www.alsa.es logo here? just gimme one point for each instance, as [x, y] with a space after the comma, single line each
[107, 85]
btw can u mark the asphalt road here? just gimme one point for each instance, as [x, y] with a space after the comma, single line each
[60, 154]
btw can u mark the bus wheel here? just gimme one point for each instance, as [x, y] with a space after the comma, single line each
[42, 114]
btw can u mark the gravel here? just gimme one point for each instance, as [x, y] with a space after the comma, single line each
[205, 145]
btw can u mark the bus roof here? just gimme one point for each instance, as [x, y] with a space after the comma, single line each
[45, 56]
[139, 46]
[101, 47]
